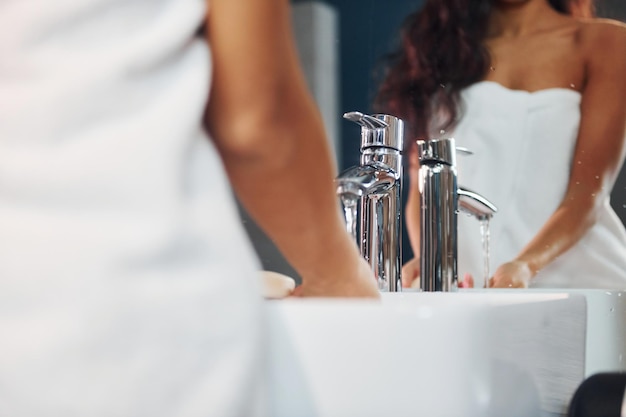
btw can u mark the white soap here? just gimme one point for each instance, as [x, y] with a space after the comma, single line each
[275, 285]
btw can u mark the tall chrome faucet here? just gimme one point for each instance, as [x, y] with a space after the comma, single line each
[373, 189]
[441, 200]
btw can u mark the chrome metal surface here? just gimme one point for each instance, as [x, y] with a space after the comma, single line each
[463, 151]
[475, 204]
[377, 182]
[378, 130]
[438, 226]
[440, 201]
[437, 150]
[365, 120]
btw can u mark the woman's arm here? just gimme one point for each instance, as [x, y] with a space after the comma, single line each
[598, 155]
[412, 213]
[272, 141]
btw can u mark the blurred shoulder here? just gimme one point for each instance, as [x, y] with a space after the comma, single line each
[603, 35]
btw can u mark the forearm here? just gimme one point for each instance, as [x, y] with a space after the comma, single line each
[286, 184]
[599, 148]
[413, 209]
[561, 232]
[271, 137]
[412, 216]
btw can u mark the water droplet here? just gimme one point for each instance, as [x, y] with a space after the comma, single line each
[492, 68]
[572, 85]
[579, 162]
[593, 194]
[597, 177]
[577, 182]
[623, 205]
[442, 85]
[442, 131]
[611, 310]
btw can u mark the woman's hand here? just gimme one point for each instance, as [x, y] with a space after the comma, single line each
[468, 281]
[514, 274]
[411, 274]
[360, 285]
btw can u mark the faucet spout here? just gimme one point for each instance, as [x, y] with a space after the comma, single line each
[365, 181]
[476, 205]
[372, 178]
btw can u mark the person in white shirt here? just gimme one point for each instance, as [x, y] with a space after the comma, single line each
[127, 284]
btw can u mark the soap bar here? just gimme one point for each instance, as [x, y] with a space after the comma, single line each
[275, 285]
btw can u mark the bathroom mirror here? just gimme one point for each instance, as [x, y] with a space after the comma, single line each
[342, 46]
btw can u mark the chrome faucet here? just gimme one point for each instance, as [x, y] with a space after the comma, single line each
[441, 200]
[373, 189]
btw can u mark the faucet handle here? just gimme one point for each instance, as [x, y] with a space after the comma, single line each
[365, 120]
[441, 150]
[379, 130]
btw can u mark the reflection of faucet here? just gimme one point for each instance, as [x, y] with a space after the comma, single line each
[376, 185]
[441, 200]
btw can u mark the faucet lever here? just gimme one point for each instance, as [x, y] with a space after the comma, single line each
[437, 151]
[463, 151]
[365, 120]
[379, 130]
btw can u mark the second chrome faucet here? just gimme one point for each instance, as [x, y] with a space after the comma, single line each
[441, 201]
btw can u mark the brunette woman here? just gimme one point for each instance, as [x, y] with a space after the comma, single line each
[536, 88]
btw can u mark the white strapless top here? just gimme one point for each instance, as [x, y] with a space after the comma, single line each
[523, 146]
[127, 284]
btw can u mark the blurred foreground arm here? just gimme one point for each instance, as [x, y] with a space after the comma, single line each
[272, 141]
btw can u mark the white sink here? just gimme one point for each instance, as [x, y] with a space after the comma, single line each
[606, 331]
[606, 327]
[426, 354]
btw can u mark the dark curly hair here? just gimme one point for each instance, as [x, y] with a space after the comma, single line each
[441, 53]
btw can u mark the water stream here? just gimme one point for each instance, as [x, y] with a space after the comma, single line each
[349, 202]
[484, 234]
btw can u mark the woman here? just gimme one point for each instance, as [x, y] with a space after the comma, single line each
[536, 89]
[127, 285]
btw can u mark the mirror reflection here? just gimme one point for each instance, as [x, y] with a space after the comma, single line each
[527, 65]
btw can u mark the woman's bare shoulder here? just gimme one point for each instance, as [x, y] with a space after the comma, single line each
[603, 41]
[602, 34]
[603, 46]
